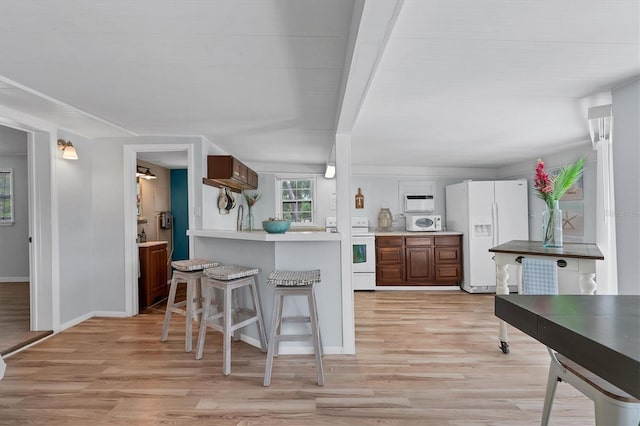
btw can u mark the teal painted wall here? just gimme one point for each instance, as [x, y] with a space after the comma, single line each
[180, 210]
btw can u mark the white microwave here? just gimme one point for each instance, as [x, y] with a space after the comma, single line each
[424, 222]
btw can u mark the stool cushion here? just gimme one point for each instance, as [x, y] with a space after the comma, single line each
[294, 278]
[193, 264]
[230, 272]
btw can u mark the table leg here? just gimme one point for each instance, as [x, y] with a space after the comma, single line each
[3, 367]
[587, 283]
[502, 275]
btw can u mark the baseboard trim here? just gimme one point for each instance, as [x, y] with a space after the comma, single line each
[110, 314]
[14, 279]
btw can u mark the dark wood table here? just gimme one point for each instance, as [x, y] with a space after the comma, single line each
[601, 333]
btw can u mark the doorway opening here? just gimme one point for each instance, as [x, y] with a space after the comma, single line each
[156, 212]
[19, 316]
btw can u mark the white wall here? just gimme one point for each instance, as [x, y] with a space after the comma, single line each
[385, 191]
[76, 230]
[109, 215]
[626, 158]
[14, 239]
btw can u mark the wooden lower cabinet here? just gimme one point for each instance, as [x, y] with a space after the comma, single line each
[152, 284]
[419, 261]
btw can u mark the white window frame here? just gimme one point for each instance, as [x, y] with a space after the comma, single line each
[11, 220]
[313, 200]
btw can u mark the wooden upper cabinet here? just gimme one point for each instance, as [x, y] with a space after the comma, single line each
[225, 170]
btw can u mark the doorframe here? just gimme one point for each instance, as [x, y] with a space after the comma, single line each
[44, 300]
[131, 266]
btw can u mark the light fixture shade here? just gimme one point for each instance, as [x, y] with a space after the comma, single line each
[600, 124]
[330, 171]
[68, 150]
[148, 175]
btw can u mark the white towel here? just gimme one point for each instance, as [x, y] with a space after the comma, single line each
[539, 276]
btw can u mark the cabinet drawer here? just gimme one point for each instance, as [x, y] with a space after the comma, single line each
[388, 241]
[418, 241]
[387, 274]
[452, 240]
[447, 254]
[448, 274]
[389, 255]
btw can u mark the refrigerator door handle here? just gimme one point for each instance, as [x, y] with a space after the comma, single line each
[496, 219]
[493, 224]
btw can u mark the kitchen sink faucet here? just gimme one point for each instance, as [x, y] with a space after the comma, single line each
[239, 219]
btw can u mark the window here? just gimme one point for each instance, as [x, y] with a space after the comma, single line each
[6, 196]
[295, 199]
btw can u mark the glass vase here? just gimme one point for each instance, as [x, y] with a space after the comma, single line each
[552, 226]
[249, 222]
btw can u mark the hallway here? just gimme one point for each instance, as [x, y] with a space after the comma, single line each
[14, 318]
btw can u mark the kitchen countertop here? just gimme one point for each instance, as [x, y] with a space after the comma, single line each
[403, 233]
[152, 243]
[259, 235]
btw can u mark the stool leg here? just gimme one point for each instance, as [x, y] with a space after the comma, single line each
[226, 336]
[315, 331]
[279, 325]
[188, 335]
[258, 310]
[167, 314]
[319, 331]
[234, 313]
[199, 299]
[203, 323]
[275, 324]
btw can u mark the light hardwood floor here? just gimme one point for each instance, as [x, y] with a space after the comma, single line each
[424, 358]
[14, 318]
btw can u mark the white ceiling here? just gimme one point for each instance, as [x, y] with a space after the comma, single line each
[431, 83]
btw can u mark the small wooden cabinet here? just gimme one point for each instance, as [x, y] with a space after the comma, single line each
[228, 171]
[152, 284]
[389, 260]
[418, 260]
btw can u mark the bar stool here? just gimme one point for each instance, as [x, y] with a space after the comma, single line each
[294, 283]
[189, 272]
[232, 317]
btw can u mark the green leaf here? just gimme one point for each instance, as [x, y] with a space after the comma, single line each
[566, 177]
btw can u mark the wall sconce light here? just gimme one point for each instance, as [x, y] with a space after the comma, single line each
[68, 150]
[330, 171]
[600, 124]
[144, 173]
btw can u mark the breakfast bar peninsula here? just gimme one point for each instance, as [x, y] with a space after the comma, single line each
[294, 250]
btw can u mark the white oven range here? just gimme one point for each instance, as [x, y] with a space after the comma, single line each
[363, 254]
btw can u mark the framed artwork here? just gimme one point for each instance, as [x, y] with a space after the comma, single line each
[573, 219]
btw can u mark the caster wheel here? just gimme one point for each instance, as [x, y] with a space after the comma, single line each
[504, 347]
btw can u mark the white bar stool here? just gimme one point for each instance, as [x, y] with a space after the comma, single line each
[189, 272]
[294, 283]
[232, 317]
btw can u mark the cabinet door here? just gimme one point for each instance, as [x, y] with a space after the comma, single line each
[158, 272]
[252, 179]
[152, 285]
[419, 263]
[239, 171]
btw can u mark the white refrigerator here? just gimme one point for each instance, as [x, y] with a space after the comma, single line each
[488, 213]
